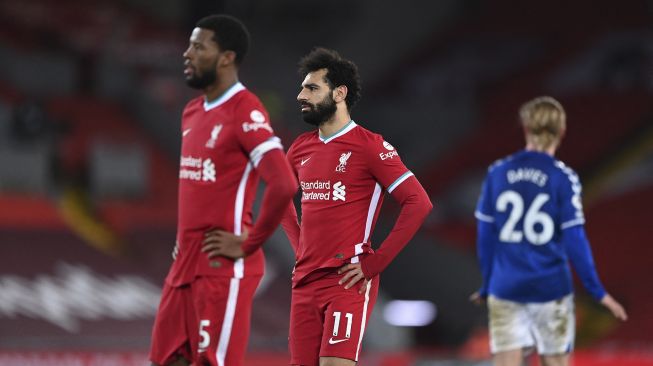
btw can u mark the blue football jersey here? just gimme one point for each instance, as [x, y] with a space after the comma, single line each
[528, 199]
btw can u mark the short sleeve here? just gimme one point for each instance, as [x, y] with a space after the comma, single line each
[254, 131]
[571, 207]
[484, 208]
[386, 165]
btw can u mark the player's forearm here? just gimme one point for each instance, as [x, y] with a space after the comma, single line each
[281, 186]
[290, 225]
[485, 252]
[580, 255]
[415, 206]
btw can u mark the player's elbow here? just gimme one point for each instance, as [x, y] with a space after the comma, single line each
[419, 203]
[425, 207]
[429, 206]
[286, 188]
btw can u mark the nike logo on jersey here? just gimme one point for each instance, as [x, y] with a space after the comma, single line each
[304, 161]
[186, 132]
[334, 341]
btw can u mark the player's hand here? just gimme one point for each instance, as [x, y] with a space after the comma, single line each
[175, 250]
[353, 274]
[223, 243]
[476, 298]
[614, 307]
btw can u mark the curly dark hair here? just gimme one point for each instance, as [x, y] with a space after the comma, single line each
[340, 71]
[229, 33]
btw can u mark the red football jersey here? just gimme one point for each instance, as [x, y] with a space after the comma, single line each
[343, 178]
[222, 143]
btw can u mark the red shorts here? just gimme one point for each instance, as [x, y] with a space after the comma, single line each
[328, 321]
[207, 321]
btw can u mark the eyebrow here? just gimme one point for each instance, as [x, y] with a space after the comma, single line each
[310, 84]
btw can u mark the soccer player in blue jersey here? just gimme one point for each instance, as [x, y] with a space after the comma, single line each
[530, 225]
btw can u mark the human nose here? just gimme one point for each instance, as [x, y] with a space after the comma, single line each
[301, 96]
[186, 53]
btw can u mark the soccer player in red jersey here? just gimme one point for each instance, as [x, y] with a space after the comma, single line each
[344, 171]
[227, 143]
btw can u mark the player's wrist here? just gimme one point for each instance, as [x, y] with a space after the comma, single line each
[365, 267]
[249, 246]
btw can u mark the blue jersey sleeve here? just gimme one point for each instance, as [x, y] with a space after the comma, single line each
[484, 208]
[485, 239]
[485, 245]
[571, 207]
[578, 250]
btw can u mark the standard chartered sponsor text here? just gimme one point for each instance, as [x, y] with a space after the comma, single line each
[309, 188]
[190, 174]
[191, 161]
[323, 196]
[320, 190]
[197, 169]
[316, 184]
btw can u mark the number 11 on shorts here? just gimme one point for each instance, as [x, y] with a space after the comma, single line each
[336, 323]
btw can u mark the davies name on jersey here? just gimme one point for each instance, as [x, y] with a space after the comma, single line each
[532, 175]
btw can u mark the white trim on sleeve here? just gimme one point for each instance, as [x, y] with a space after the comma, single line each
[571, 223]
[483, 217]
[399, 180]
[270, 144]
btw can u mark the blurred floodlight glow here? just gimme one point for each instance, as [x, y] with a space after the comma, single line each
[409, 313]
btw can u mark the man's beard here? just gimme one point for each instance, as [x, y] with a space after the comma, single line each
[321, 112]
[203, 79]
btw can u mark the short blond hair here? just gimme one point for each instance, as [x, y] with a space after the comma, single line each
[544, 121]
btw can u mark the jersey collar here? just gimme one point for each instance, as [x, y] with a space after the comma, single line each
[224, 97]
[346, 128]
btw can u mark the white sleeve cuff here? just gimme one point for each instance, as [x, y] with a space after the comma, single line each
[483, 217]
[571, 223]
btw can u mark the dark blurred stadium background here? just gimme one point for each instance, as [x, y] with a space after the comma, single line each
[90, 100]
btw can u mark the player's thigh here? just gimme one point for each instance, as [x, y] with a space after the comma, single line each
[335, 361]
[555, 360]
[509, 358]
[554, 327]
[306, 325]
[178, 362]
[223, 306]
[171, 339]
[345, 319]
[509, 325]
